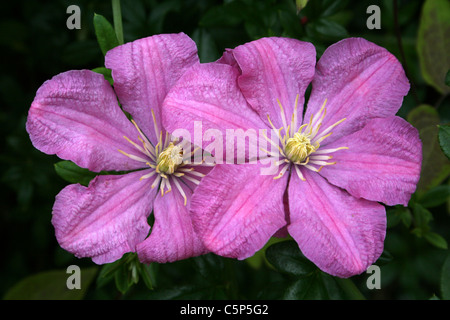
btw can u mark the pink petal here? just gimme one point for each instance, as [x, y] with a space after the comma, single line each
[382, 163]
[75, 115]
[172, 237]
[144, 70]
[208, 98]
[360, 81]
[275, 68]
[342, 235]
[236, 209]
[106, 219]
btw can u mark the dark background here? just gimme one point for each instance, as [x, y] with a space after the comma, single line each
[35, 45]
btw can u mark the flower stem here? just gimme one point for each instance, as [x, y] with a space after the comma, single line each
[117, 18]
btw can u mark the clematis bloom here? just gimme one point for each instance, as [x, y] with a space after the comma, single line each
[336, 161]
[76, 116]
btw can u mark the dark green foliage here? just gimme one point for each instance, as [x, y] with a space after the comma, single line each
[36, 45]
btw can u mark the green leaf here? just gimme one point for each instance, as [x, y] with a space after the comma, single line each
[398, 214]
[435, 166]
[445, 279]
[72, 173]
[51, 285]
[230, 14]
[147, 274]
[444, 139]
[326, 30]
[436, 240]
[106, 36]
[386, 257]
[210, 266]
[300, 4]
[123, 279]
[308, 288]
[435, 196]
[317, 286]
[422, 218]
[188, 292]
[259, 258]
[447, 78]
[207, 49]
[106, 73]
[433, 43]
[286, 257]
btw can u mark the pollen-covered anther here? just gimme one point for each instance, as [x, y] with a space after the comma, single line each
[298, 148]
[169, 159]
[166, 161]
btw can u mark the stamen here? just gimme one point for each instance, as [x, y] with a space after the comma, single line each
[135, 144]
[161, 188]
[148, 175]
[294, 117]
[319, 124]
[178, 174]
[283, 117]
[315, 157]
[156, 182]
[169, 187]
[312, 168]
[318, 141]
[196, 173]
[144, 140]
[155, 125]
[322, 151]
[328, 130]
[317, 115]
[300, 129]
[282, 172]
[301, 148]
[131, 156]
[149, 149]
[269, 153]
[299, 173]
[271, 124]
[177, 184]
[167, 140]
[150, 165]
[322, 163]
[192, 179]
[272, 143]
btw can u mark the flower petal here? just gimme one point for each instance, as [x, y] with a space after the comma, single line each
[106, 219]
[382, 162]
[236, 209]
[75, 115]
[208, 98]
[342, 235]
[275, 68]
[360, 81]
[172, 237]
[144, 70]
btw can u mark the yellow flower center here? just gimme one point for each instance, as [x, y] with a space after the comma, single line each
[166, 160]
[298, 148]
[169, 159]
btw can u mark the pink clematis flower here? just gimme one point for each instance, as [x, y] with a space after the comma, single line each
[76, 116]
[331, 207]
